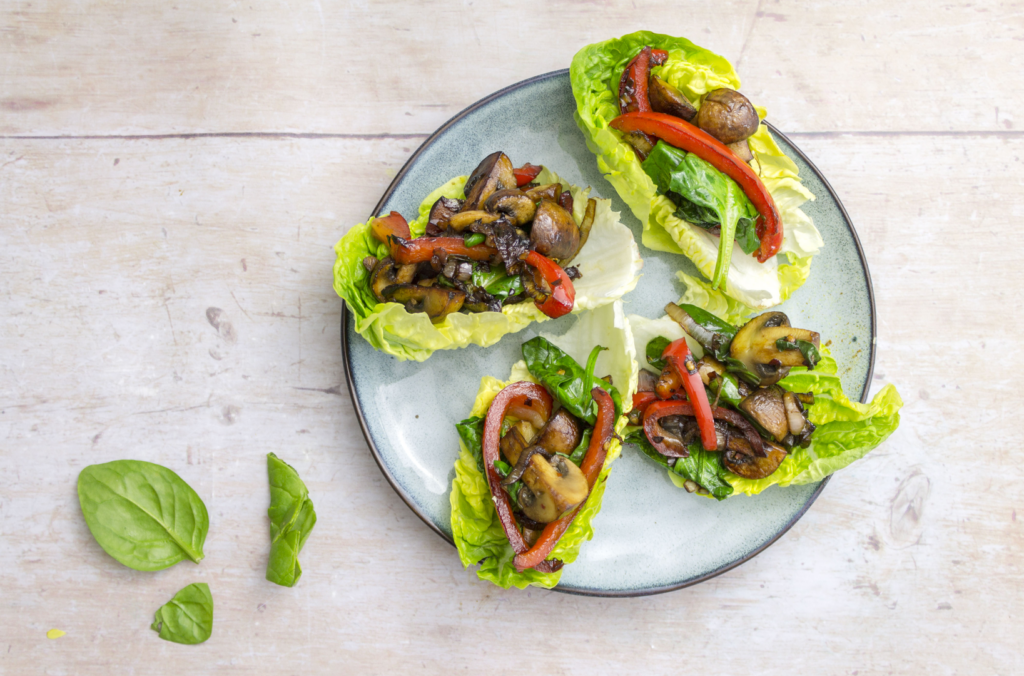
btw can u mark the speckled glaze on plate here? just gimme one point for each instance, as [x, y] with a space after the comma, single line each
[650, 536]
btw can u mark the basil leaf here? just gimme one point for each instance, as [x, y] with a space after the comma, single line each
[471, 431]
[142, 514]
[291, 520]
[654, 349]
[566, 379]
[807, 349]
[188, 617]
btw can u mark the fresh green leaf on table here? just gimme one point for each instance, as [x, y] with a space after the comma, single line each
[142, 514]
[188, 617]
[291, 520]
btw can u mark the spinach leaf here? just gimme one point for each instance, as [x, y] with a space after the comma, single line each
[705, 469]
[504, 469]
[580, 451]
[471, 431]
[188, 617]
[291, 520]
[706, 195]
[142, 514]
[655, 347]
[702, 467]
[496, 282]
[566, 379]
[807, 349]
[746, 235]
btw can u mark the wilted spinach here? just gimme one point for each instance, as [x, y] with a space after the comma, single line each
[188, 617]
[702, 467]
[291, 520]
[655, 347]
[807, 349]
[142, 514]
[471, 431]
[569, 382]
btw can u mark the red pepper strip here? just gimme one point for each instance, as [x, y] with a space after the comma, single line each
[660, 409]
[525, 174]
[563, 295]
[516, 394]
[633, 84]
[641, 400]
[386, 226]
[681, 359]
[593, 463]
[683, 135]
[658, 57]
[406, 251]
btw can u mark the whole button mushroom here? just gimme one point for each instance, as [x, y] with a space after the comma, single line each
[727, 115]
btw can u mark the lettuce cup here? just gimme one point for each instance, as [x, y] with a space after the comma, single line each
[696, 164]
[487, 254]
[537, 450]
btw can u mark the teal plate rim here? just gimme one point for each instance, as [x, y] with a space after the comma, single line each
[410, 163]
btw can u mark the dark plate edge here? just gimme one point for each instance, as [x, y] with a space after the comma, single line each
[593, 592]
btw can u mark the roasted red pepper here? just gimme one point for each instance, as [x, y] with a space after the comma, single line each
[593, 463]
[658, 57]
[633, 84]
[406, 251]
[681, 359]
[526, 173]
[641, 400]
[521, 394]
[563, 295]
[394, 224]
[685, 136]
[659, 409]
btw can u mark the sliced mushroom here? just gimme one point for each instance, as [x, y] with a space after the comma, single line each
[550, 191]
[755, 346]
[437, 302]
[444, 208]
[749, 466]
[667, 99]
[647, 382]
[727, 115]
[553, 487]
[561, 433]
[585, 227]
[554, 232]
[516, 204]
[641, 142]
[491, 175]
[515, 441]
[766, 407]
[467, 219]
[386, 274]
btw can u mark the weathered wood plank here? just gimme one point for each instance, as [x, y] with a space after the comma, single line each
[101, 67]
[118, 249]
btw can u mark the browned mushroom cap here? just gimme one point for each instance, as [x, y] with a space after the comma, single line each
[561, 434]
[493, 174]
[386, 274]
[551, 488]
[550, 191]
[755, 346]
[515, 441]
[766, 407]
[437, 302]
[727, 115]
[554, 233]
[516, 204]
[444, 208]
[667, 99]
[749, 466]
[465, 219]
[585, 226]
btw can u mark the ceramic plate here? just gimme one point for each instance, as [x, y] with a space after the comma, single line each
[650, 536]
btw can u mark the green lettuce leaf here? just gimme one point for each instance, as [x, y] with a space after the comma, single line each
[846, 430]
[595, 73]
[610, 264]
[476, 530]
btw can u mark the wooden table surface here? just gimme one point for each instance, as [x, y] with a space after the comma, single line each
[163, 159]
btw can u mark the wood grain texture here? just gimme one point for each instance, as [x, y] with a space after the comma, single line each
[170, 299]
